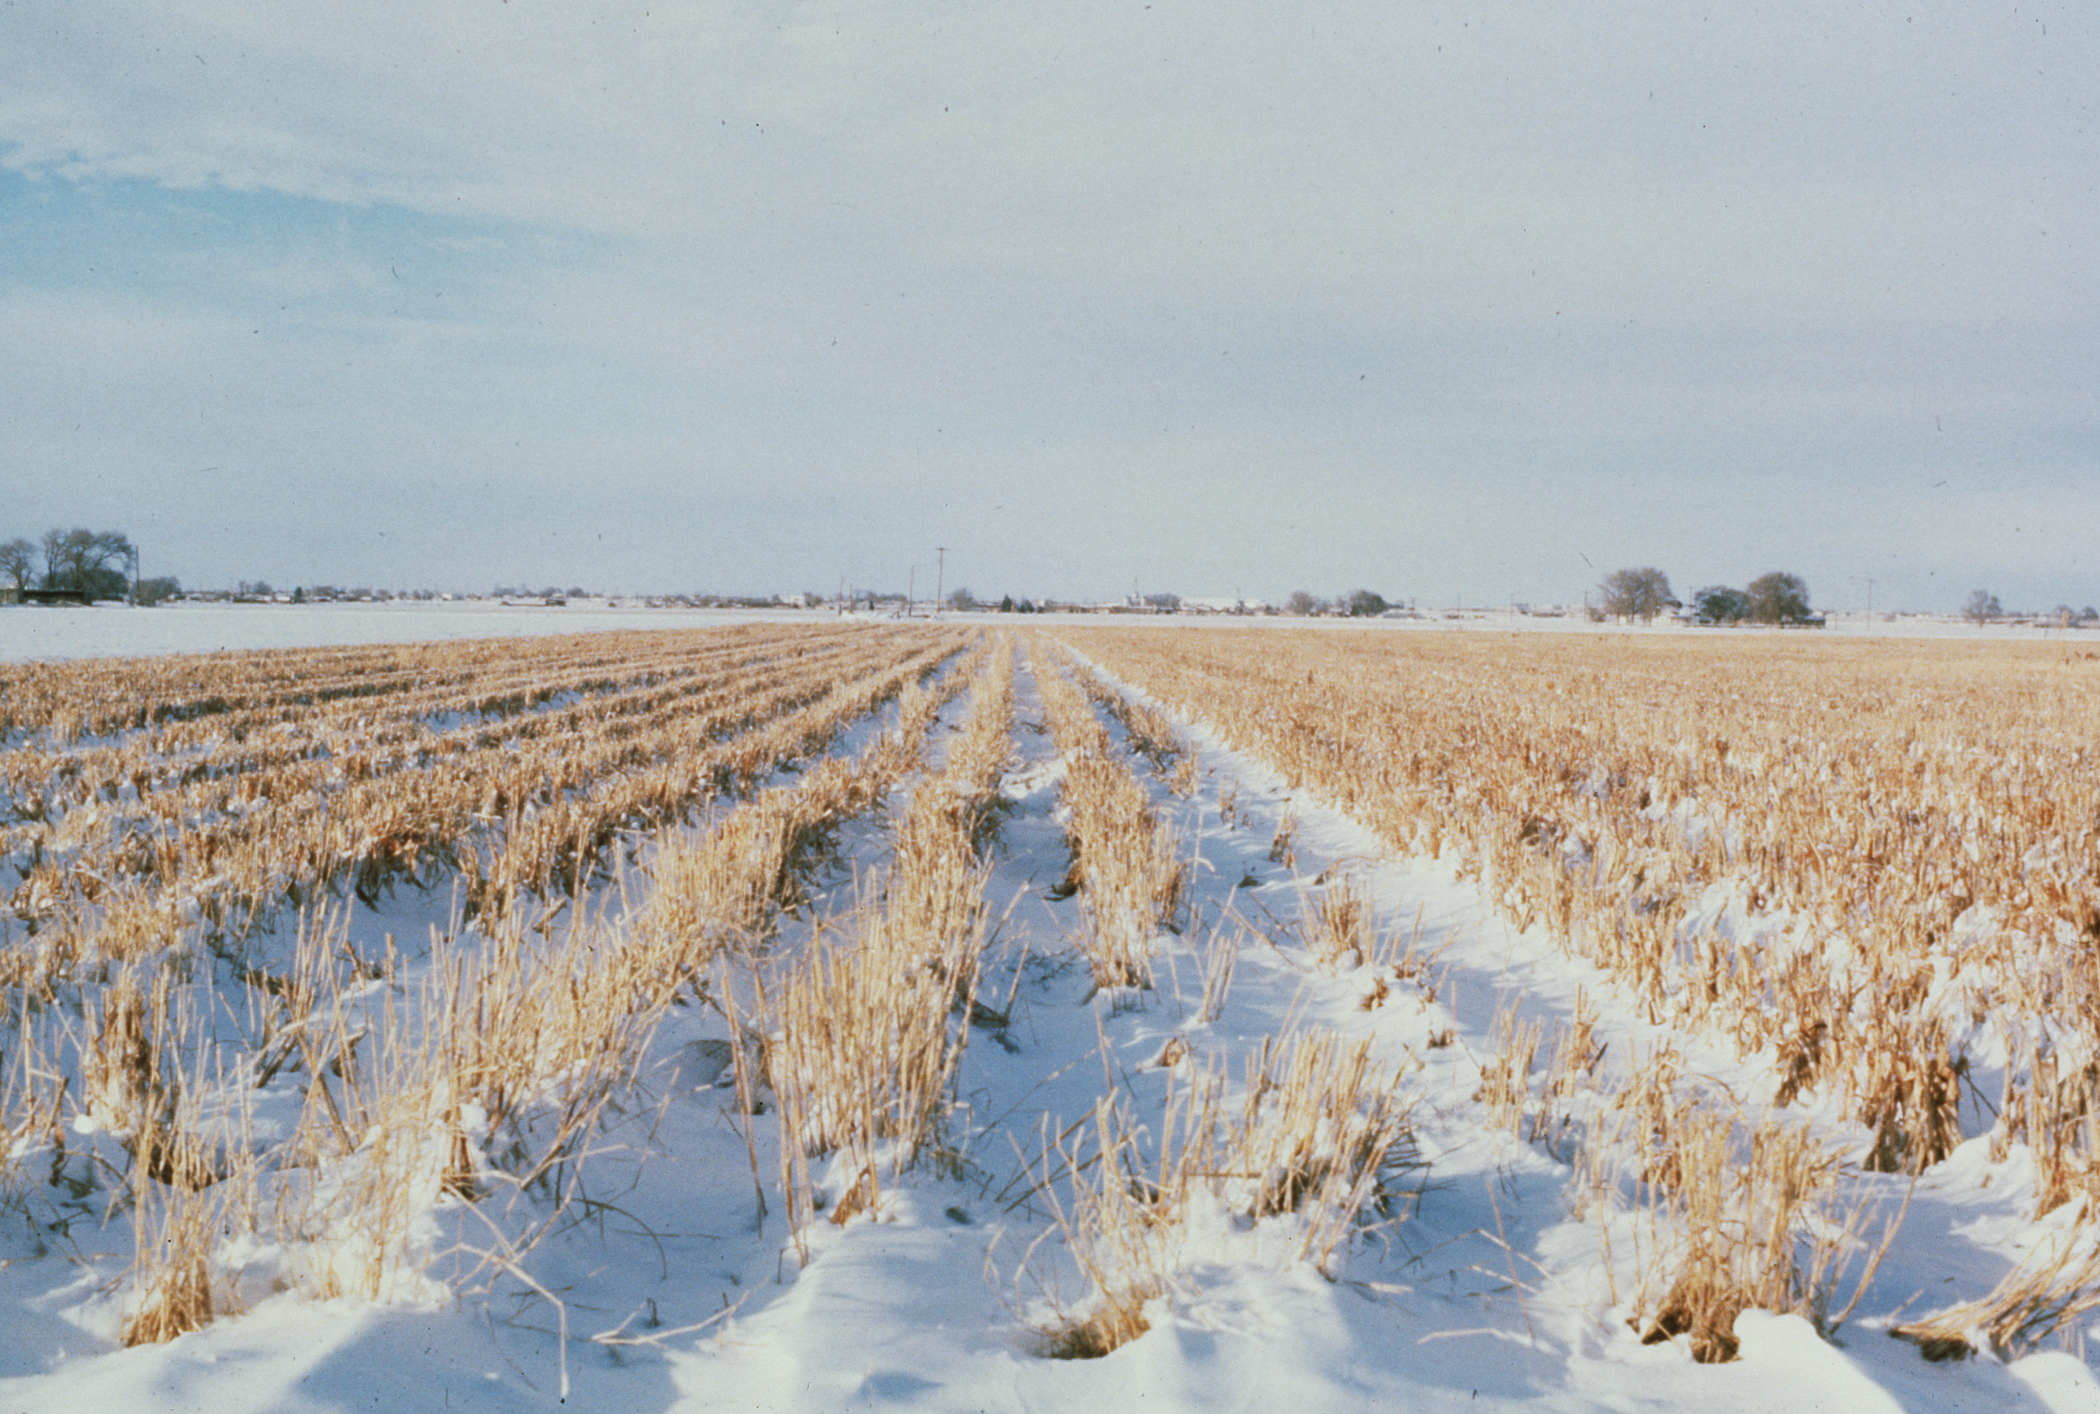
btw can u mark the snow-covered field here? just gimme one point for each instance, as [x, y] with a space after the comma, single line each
[115, 630]
[677, 1284]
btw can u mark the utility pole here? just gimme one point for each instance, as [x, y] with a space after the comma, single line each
[1870, 594]
[940, 580]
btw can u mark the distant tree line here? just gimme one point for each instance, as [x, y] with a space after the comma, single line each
[1982, 607]
[962, 601]
[1775, 598]
[501, 591]
[90, 563]
[1356, 604]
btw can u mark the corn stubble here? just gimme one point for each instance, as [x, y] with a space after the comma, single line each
[1726, 1212]
[1864, 861]
[1126, 865]
[1893, 895]
[868, 1027]
[1317, 1137]
[475, 1078]
[219, 814]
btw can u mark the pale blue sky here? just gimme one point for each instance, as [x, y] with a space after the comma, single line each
[1448, 300]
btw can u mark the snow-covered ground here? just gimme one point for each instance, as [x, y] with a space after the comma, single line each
[1482, 1289]
[28, 632]
[117, 630]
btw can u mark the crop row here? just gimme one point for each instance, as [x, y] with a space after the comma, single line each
[1126, 866]
[1881, 862]
[295, 1128]
[96, 697]
[457, 711]
[509, 814]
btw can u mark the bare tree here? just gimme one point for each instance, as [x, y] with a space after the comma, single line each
[18, 561]
[111, 552]
[83, 559]
[1636, 594]
[1778, 598]
[57, 559]
[1982, 607]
